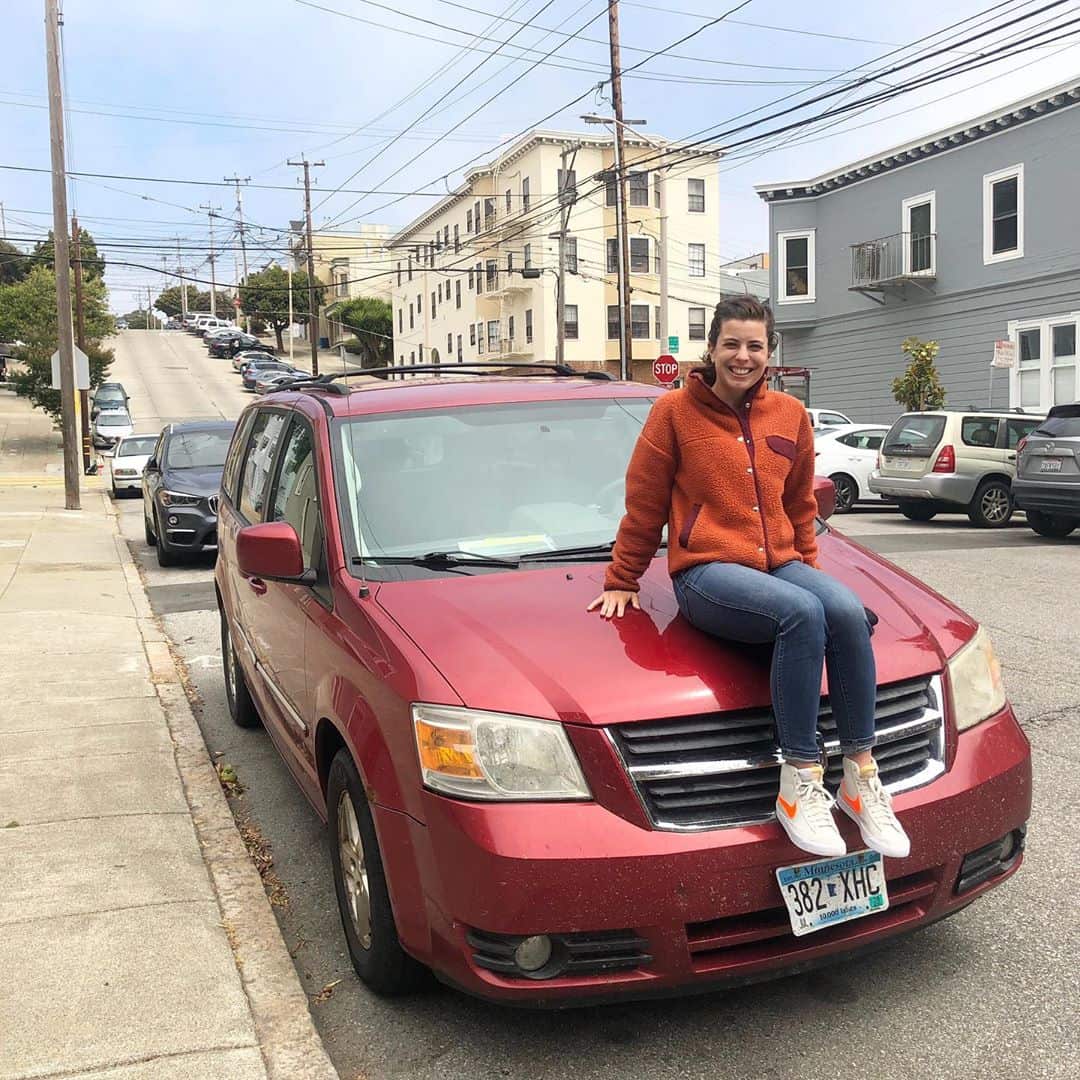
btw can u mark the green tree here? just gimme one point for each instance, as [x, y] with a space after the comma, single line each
[170, 301]
[138, 319]
[265, 296]
[919, 388]
[93, 264]
[28, 314]
[372, 320]
[14, 265]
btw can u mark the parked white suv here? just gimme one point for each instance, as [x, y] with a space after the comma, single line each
[953, 462]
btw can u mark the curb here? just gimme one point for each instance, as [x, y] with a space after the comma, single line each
[288, 1040]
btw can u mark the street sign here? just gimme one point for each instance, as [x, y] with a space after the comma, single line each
[665, 369]
[673, 344]
[1004, 354]
[82, 370]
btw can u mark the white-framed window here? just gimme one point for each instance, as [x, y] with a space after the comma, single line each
[571, 255]
[695, 260]
[525, 194]
[1003, 214]
[1047, 371]
[697, 324]
[493, 335]
[639, 188]
[639, 254]
[695, 196]
[918, 223]
[795, 269]
[612, 255]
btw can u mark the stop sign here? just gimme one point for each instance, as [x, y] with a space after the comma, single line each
[665, 369]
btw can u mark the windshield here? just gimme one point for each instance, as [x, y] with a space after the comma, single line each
[197, 449]
[915, 435]
[143, 446]
[492, 480]
[110, 419]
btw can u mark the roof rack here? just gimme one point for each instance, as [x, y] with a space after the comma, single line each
[330, 380]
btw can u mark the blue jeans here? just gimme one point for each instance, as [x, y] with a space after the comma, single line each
[812, 621]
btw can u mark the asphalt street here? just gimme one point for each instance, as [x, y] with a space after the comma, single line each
[992, 990]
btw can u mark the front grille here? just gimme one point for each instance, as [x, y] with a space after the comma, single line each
[721, 769]
[596, 953]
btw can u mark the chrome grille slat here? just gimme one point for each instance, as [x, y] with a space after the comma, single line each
[718, 770]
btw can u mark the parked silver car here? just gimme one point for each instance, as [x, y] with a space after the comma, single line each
[1047, 485]
[110, 426]
[953, 462]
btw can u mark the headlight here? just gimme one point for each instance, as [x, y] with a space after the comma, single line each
[484, 755]
[178, 498]
[978, 691]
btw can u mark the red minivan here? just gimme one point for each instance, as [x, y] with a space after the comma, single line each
[540, 806]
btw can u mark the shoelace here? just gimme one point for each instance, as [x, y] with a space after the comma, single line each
[815, 800]
[877, 800]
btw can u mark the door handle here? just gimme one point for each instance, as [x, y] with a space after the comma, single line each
[258, 586]
[1010, 457]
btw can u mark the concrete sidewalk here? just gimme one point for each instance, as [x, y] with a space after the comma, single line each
[135, 936]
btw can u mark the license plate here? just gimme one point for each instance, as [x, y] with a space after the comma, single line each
[1052, 464]
[832, 891]
[904, 464]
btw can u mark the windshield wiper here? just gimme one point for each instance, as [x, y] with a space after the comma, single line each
[591, 553]
[436, 560]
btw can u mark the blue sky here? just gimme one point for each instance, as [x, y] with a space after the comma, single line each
[200, 90]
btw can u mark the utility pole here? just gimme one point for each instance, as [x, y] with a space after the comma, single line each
[183, 286]
[625, 347]
[313, 327]
[238, 180]
[211, 210]
[289, 271]
[661, 188]
[3, 221]
[567, 197]
[62, 259]
[80, 338]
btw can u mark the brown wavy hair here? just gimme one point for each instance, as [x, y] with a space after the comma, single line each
[741, 309]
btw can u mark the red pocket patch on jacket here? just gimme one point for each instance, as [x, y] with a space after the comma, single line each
[778, 444]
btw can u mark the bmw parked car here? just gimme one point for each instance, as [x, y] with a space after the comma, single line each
[180, 488]
[254, 371]
[109, 427]
[128, 461]
[847, 455]
[540, 805]
[1047, 484]
[228, 346]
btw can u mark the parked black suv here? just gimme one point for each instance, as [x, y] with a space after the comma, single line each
[1047, 484]
[180, 488]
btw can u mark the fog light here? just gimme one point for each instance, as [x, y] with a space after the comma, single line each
[533, 953]
[173, 519]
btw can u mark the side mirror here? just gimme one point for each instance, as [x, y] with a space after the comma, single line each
[825, 493]
[272, 551]
[151, 465]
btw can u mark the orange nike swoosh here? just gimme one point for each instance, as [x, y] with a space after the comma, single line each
[789, 807]
[855, 804]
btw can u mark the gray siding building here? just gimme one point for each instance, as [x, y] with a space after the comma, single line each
[968, 236]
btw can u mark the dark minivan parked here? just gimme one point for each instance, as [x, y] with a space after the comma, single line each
[180, 488]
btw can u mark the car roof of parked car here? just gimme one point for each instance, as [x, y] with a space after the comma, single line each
[370, 394]
[199, 425]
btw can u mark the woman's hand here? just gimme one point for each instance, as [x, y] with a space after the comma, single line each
[614, 602]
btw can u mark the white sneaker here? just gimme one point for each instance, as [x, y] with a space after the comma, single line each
[804, 808]
[869, 805]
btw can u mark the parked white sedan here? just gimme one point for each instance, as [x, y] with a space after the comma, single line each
[128, 461]
[822, 418]
[847, 454]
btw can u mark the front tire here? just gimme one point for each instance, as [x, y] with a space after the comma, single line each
[237, 696]
[360, 885]
[847, 492]
[1051, 525]
[918, 511]
[992, 507]
[148, 531]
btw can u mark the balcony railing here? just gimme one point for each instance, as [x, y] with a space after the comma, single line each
[891, 260]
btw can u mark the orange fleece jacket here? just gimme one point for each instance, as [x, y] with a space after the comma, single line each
[731, 488]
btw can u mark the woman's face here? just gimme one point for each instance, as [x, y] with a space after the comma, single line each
[741, 354]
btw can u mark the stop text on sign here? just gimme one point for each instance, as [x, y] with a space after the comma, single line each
[665, 369]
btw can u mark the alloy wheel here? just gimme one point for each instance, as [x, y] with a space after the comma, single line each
[230, 663]
[995, 504]
[354, 869]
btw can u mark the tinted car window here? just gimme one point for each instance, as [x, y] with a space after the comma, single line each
[833, 418]
[295, 497]
[258, 462]
[1060, 427]
[979, 431]
[915, 435]
[196, 449]
[114, 419]
[1015, 430]
[235, 456]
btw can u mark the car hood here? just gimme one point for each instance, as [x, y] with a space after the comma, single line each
[522, 642]
[193, 481]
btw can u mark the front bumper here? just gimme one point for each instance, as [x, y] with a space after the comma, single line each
[188, 528]
[1051, 498]
[701, 909]
[935, 487]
